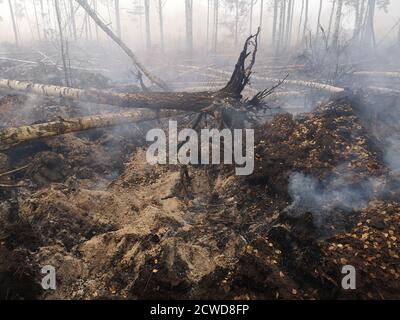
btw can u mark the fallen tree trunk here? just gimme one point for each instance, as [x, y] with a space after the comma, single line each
[11, 137]
[117, 40]
[188, 101]
[192, 101]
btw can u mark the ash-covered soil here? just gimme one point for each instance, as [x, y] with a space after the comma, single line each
[113, 226]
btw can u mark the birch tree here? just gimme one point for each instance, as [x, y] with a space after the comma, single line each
[14, 23]
[189, 25]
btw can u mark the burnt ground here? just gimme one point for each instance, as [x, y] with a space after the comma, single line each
[113, 226]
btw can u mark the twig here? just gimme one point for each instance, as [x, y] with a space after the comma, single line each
[13, 171]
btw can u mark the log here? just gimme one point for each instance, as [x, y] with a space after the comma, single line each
[11, 137]
[154, 79]
[188, 101]
[192, 101]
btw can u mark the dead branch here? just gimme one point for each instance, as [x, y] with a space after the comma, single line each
[154, 79]
[12, 186]
[13, 171]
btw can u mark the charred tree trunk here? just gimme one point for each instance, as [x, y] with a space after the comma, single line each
[123, 46]
[189, 25]
[14, 23]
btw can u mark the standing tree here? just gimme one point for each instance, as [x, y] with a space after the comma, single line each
[118, 18]
[216, 22]
[331, 20]
[336, 31]
[319, 19]
[147, 18]
[305, 20]
[161, 20]
[261, 19]
[252, 3]
[13, 23]
[189, 25]
[63, 54]
[73, 21]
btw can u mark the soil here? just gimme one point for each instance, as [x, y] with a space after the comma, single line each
[114, 226]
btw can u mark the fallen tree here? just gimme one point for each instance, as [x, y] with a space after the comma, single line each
[203, 102]
[11, 137]
[188, 101]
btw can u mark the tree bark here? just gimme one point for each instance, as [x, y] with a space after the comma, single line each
[123, 46]
[11, 137]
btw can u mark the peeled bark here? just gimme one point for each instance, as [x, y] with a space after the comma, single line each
[11, 137]
[124, 47]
